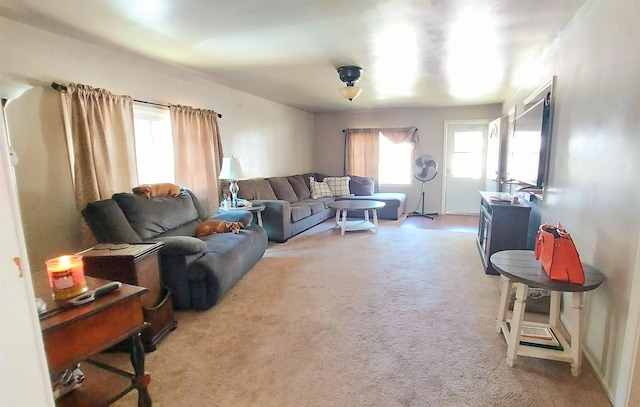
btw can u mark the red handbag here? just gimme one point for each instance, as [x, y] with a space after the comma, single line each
[558, 255]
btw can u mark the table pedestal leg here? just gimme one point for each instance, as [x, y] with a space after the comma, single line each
[554, 308]
[141, 378]
[505, 285]
[576, 333]
[343, 225]
[516, 323]
[375, 220]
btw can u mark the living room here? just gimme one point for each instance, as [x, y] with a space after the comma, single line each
[592, 172]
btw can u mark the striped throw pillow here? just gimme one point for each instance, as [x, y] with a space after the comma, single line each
[339, 185]
[319, 189]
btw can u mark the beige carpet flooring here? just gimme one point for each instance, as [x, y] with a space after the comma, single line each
[404, 317]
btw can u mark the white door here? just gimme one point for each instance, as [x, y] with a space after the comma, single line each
[25, 378]
[465, 166]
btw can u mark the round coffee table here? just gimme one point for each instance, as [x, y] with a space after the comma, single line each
[342, 207]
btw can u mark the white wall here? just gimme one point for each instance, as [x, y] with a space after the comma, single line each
[270, 139]
[593, 179]
[329, 140]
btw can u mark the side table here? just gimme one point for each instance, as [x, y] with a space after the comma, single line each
[72, 334]
[137, 264]
[257, 209]
[521, 267]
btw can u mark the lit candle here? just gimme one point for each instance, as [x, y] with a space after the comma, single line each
[66, 276]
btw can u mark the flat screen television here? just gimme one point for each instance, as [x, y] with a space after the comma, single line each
[528, 146]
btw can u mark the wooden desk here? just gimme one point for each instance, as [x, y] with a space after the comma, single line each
[521, 267]
[73, 334]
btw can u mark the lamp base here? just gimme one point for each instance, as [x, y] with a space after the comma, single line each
[233, 189]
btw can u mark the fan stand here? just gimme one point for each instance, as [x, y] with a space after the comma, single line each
[422, 213]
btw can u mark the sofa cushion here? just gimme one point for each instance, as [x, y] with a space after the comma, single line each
[108, 223]
[151, 217]
[299, 210]
[299, 186]
[257, 188]
[361, 186]
[319, 189]
[283, 189]
[316, 205]
[306, 177]
[339, 185]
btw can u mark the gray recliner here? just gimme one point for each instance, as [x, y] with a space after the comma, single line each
[199, 272]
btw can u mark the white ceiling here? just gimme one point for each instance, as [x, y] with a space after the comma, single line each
[413, 53]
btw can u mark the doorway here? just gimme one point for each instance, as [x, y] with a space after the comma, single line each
[465, 166]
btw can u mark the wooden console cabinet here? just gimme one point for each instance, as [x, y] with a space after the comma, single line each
[502, 226]
[136, 264]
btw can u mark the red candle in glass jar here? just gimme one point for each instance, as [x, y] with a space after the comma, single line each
[66, 276]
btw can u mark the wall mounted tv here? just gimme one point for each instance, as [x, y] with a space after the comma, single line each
[528, 146]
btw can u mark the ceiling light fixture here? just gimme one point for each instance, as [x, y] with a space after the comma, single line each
[350, 75]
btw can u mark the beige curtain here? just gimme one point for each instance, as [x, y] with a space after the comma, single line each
[197, 152]
[361, 153]
[402, 135]
[362, 149]
[100, 139]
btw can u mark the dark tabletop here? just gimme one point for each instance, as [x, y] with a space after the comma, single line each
[355, 205]
[522, 266]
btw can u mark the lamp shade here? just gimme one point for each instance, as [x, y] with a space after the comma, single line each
[231, 168]
[350, 92]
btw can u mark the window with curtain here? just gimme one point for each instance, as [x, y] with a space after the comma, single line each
[394, 162]
[154, 144]
[383, 154]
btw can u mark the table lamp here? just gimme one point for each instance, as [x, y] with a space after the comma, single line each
[232, 172]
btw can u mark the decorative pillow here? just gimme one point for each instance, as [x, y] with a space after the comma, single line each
[299, 186]
[283, 189]
[339, 185]
[319, 189]
[361, 186]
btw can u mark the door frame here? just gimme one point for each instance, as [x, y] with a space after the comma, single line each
[445, 158]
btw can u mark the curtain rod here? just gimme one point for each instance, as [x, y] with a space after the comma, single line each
[62, 88]
[345, 130]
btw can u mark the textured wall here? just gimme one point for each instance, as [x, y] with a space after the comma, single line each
[270, 139]
[593, 179]
[329, 139]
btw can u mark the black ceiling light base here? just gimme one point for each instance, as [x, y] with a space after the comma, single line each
[349, 74]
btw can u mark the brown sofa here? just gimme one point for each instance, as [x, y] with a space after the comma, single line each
[290, 208]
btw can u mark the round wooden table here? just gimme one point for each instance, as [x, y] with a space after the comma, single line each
[342, 207]
[521, 267]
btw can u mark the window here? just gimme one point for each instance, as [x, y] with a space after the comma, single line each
[394, 162]
[466, 161]
[154, 144]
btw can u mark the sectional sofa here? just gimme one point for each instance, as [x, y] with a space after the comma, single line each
[296, 203]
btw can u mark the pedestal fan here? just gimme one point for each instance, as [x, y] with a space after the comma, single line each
[425, 168]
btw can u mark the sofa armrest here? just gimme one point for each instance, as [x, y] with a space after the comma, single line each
[243, 217]
[180, 245]
[276, 218]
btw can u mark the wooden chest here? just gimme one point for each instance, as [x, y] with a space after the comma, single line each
[137, 264]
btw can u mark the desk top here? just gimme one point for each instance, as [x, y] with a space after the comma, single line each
[355, 205]
[522, 266]
[59, 313]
